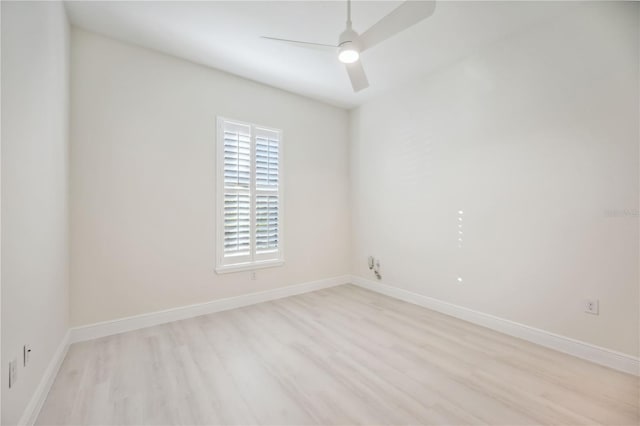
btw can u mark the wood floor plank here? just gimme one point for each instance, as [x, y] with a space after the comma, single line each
[339, 356]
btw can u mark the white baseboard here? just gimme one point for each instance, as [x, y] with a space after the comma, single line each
[108, 328]
[587, 351]
[34, 405]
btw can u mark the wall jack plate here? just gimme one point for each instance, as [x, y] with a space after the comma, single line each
[592, 307]
[26, 354]
[13, 373]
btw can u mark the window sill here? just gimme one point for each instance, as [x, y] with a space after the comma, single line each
[227, 269]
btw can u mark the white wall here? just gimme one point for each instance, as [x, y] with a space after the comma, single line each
[35, 40]
[535, 138]
[143, 181]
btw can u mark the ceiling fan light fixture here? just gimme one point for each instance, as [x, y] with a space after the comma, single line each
[351, 44]
[348, 53]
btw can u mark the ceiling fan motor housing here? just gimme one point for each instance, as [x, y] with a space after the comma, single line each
[348, 36]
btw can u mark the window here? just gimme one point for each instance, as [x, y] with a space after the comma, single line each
[249, 196]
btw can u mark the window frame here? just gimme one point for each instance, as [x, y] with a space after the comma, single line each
[256, 260]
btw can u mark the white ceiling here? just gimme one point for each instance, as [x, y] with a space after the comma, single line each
[226, 35]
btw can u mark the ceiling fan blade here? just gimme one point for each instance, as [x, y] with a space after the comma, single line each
[357, 76]
[404, 16]
[302, 43]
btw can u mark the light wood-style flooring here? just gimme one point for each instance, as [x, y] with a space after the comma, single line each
[339, 356]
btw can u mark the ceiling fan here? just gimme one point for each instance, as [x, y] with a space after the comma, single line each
[351, 44]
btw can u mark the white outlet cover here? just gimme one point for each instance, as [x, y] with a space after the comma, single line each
[592, 306]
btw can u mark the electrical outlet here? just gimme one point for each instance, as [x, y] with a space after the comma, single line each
[376, 268]
[591, 306]
[253, 275]
[13, 373]
[26, 354]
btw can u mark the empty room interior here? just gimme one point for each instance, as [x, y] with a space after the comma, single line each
[320, 213]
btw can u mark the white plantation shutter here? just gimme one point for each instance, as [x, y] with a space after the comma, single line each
[237, 196]
[249, 196]
[237, 156]
[267, 150]
[237, 224]
[267, 175]
[266, 223]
